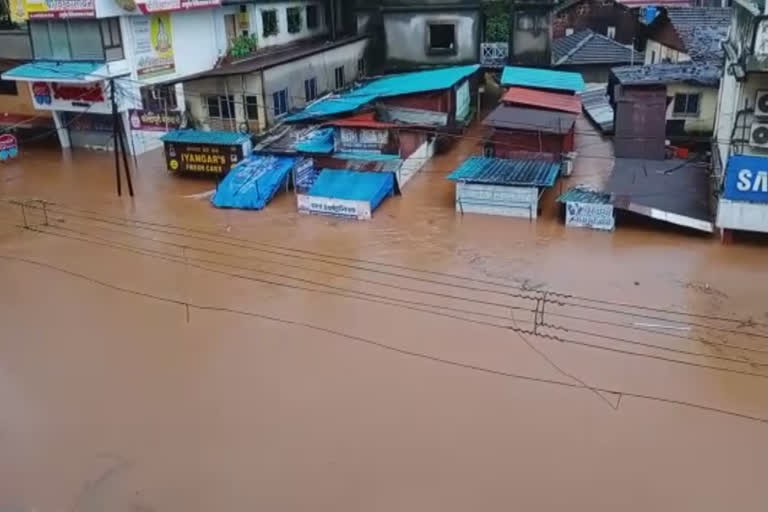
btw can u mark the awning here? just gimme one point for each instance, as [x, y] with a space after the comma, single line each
[252, 183]
[66, 72]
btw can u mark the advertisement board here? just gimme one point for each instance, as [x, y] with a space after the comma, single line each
[23, 10]
[202, 158]
[590, 215]
[147, 121]
[746, 179]
[360, 210]
[153, 45]
[152, 6]
[70, 97]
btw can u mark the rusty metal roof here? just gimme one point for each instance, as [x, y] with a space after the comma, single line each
[513, 118]
[548, 100]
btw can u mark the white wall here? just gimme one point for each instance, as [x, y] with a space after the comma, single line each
[406, 36]
[320, 65]
[705, 121]
[654, 49]
[732, 98]
[283, 36]
[236, 85]
[497, 200]
[414, 163]
[741, 215]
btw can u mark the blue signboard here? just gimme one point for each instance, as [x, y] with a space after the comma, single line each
[746, 179]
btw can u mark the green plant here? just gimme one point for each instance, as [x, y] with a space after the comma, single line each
[497, 22]
[243, 45]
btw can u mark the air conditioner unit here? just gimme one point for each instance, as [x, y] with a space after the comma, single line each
[758, 136]
[761, 103]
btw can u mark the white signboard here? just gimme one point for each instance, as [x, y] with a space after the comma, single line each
[590, 215]
[360, 210]
[87, 97]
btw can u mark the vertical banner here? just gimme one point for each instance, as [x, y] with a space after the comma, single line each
[153, 45]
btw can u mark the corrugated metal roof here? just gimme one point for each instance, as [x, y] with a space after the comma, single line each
[588, 47]
[394, 85]
[662, 73]
[57, 71]
[352, 185]
[549, 100]
[253, 182]
[542, 79]
[364, 120]
[203, 137]
[701, 29]
[598, 108]
[502, 171]
[584, 195]
[513, 118]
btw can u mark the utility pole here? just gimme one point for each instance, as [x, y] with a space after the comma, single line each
[120, 145]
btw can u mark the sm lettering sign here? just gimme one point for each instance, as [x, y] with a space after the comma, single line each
[746, 179]
[202, 158]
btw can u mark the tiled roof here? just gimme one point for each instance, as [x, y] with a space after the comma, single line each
[681, 72]
[203, 137]
[394, 85]
[542, 99]
[701, 29]
[503, 171]
[542, 79]
[513, 118]
[588, 47]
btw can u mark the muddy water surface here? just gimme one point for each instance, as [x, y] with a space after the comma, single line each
[135, 376]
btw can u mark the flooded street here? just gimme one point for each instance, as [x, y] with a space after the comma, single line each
[157, 354]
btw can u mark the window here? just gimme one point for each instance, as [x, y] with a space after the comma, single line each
[686, 104]
[280, 102]
[338, 74]
[294, 19]
[112, 38]
[525, 22]
[310, 89]
[221, 107]
[251, 107]
[442, 38]
[269, 23]
[158, 98]
[311, 16]
[8, 87]
[568, 31]
[360, 67]
[75, 39]
[611, 32]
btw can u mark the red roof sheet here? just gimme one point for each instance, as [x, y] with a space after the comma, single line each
[364, 120]
[542, 99]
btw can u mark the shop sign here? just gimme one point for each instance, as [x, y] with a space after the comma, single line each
[360, 210]
[9, 146]
[153, 45]
[154, 121]
[202, 158]
[52, 95]
[23, 10]
[590, 215]
[746, 179]
[151, 6]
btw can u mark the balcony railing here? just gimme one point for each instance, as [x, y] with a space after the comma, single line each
[494, 54]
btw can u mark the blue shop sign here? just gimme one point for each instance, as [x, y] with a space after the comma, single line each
[746, 179]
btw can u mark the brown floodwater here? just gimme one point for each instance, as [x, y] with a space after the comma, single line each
[208, 359]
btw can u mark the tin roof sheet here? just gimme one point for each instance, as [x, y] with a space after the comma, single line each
[598, 108]
[549, 100]
[584, 195]
[393, 85]
[502, 171]
[514, 118]
[542, 79]
[56, 71]
[203, 137]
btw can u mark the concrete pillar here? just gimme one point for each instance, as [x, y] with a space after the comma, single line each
[61, 130]
[726, 236]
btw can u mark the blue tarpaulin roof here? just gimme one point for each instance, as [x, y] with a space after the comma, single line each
[503, 171]
[372, 187]
[542, 79]
[253, 182]
[203, 137]
[318, 141]
[56, 71]
[394, 85]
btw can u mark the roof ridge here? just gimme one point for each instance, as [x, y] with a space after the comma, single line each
[578, 46]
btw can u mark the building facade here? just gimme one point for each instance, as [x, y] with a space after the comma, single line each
[606, 17]
[741, 127]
